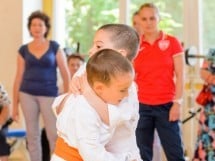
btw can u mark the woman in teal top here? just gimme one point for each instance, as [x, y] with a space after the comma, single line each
[35, 85]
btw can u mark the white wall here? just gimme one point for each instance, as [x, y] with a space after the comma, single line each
[192, 35]
[13, 33]
[58, 22]
[28, 7]
[13, 22]
[11, 38]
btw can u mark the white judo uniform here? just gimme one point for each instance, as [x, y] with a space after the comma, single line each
[81, 127]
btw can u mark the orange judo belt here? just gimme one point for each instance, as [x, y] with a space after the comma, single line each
[66, 152]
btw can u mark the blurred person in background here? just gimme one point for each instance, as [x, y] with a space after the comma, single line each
[159, 69]
[4, 116]
[157, 150]
[35, 84]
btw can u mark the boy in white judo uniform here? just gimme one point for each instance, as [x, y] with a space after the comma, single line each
[82, 134]
[125, 40]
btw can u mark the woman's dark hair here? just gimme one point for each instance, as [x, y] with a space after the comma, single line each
[44, 17]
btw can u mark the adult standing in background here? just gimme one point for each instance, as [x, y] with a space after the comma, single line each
[159, 76]
[136, 23]
[35, 82]
[157, 156]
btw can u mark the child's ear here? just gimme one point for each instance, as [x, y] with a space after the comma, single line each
[98, 87]
[123, 52]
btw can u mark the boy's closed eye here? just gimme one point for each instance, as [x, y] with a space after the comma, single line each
[124, 90]
[98, 46]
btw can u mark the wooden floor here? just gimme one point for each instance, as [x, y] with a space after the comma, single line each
[19, 152]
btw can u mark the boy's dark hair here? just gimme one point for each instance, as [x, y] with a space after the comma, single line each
[75, 56]
[44, 17]
[123, 37]
[106, 64]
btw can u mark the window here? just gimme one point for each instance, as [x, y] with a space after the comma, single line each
[84, 17]
[208, 27]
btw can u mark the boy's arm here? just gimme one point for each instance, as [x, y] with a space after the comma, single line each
[88, 132]
[56, 103]
[75, 84]
[96, 102]
[79, 85]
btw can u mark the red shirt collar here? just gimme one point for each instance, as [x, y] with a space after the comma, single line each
[162, 36]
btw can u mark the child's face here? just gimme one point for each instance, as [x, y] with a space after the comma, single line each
[102, 40]
[116, 90]
[74, 64]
